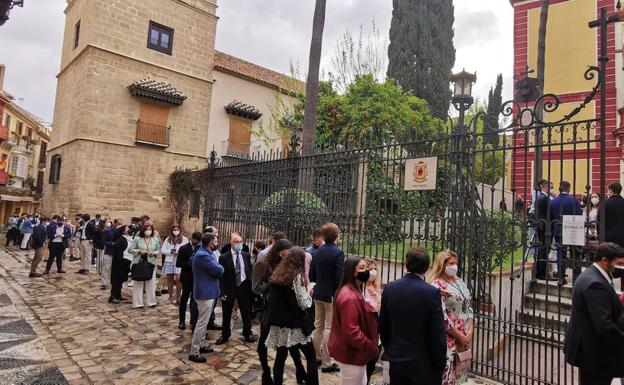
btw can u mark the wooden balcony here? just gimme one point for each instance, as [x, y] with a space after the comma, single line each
[152, 134]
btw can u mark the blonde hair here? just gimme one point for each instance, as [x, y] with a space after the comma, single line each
[377, 283]
[439, 263]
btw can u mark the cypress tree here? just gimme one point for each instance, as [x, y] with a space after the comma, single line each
[421, 52]
[495, 99]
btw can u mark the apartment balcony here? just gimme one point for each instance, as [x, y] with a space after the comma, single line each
[152, 134]
[238, 150]
[4, 133]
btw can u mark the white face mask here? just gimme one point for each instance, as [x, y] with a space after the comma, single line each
[595, 201]
[148, 233]
[176, 232]
[373, 275]
[108, 224]
[451, 270]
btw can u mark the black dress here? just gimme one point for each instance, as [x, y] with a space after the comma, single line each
[120, 267]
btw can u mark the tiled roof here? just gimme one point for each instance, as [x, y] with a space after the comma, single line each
[161, 91]
[241, 68]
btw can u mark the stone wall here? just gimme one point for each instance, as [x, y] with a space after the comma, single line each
[95, 118]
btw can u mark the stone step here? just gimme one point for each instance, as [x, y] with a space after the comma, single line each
[552, 288]
[554, 304]
[541, 319]
[540, 335]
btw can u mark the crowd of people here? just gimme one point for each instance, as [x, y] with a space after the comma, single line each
[325, 310]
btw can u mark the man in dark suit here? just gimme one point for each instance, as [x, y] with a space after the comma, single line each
[564, 204]
[542, 210]
[411, 326]
[186, 277]
[614, 215]
[236, 286]
[58, 240]
[595, 337]
[326, 270]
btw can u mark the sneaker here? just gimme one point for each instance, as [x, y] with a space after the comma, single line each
[331, 369]
[197, 358]
[34, 275]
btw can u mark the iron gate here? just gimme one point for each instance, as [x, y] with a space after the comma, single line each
[484, 173]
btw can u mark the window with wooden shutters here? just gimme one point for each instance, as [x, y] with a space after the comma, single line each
[240, 136]
[194, 204]
[55, 169]
[152, 125]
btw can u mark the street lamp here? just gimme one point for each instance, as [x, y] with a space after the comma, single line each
[5, 8]
[462, 93]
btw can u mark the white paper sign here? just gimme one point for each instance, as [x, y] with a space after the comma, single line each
[421, 174]
[573, 230]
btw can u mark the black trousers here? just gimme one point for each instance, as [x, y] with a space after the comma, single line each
[542, 255]
[263, 356]
[414, 372]
[120, 268]
[56, 252]
[12, 235]
[243, 296]
[187, 293]
[592, 379]
[280, 360]
[370, 368]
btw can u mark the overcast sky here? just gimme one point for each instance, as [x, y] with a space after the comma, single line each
[271, 33]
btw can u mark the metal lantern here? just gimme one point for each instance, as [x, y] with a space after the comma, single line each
[5, 8]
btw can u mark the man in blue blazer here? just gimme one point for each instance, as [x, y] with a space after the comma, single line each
[326, 271]
[206, 274]
[411, 326]
[58, 241]
[564, 204]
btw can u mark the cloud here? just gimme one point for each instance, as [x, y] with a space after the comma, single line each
[271, 33]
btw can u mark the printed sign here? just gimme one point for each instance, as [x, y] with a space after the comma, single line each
[573, 230]
[421, 174]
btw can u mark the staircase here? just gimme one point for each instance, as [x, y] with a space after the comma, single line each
[545, 312]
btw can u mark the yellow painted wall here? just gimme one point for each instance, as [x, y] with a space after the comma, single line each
[584, 131]
[571, 45]
[554, 173]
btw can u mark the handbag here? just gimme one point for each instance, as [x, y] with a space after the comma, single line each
[462, 360]
[142, 271]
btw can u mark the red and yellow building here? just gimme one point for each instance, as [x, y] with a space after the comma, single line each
[571, 46]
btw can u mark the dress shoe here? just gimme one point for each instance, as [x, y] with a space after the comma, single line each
[82, 271]
[197, 358]
[46, 272]
[213, 326]
[152, 306]
[331, 369]
[181, 326]
[73, 259]
[61, 271]
[221, 341]
[113, 300]
[206, 350]
[34, 275]
[249, 339]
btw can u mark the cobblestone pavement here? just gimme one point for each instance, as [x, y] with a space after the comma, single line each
[90, 341]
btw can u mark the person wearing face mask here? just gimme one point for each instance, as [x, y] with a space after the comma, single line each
[354, 338]
[170, 249]
[235, 285]
[108, 240]
[595, 337]
[39, 237]
[317, 241]
[372, 295]
[120, 266]
[58, 240]
[145, 244]
[458, 313]
[183, 261]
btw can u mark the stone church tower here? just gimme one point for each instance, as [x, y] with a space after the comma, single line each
[132, 104]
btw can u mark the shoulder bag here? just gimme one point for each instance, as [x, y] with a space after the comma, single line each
[142, 271]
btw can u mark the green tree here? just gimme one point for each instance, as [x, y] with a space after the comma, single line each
[495, 100]
[421, 52]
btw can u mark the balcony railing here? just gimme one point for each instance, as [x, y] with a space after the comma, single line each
[240, 150]
[152, 134]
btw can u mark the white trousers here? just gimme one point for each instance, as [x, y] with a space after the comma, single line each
[105, 275]
[150, 290]
[25, 240]
[352, 375]
[204, 309]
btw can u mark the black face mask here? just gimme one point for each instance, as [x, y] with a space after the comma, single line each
[363, 276]
[617, 273]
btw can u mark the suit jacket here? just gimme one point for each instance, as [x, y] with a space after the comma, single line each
[614, 220]
[206, 273]
[228, 280]
[184, 262]
[595, 337]
[411, 324]
[40, 234]
[326, 270]
[564, 204]
[67, 233]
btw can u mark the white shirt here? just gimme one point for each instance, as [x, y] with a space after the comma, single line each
[168, 246]
[604, 274]
[59, 234]
[262, 254]
[241, 264]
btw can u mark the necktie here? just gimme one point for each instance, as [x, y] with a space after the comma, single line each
[238, 270]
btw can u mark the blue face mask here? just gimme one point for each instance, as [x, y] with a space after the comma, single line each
[238, 247]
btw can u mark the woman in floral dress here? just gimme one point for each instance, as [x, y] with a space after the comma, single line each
[458, 314]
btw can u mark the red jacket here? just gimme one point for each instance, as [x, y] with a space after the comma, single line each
[354, 338]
